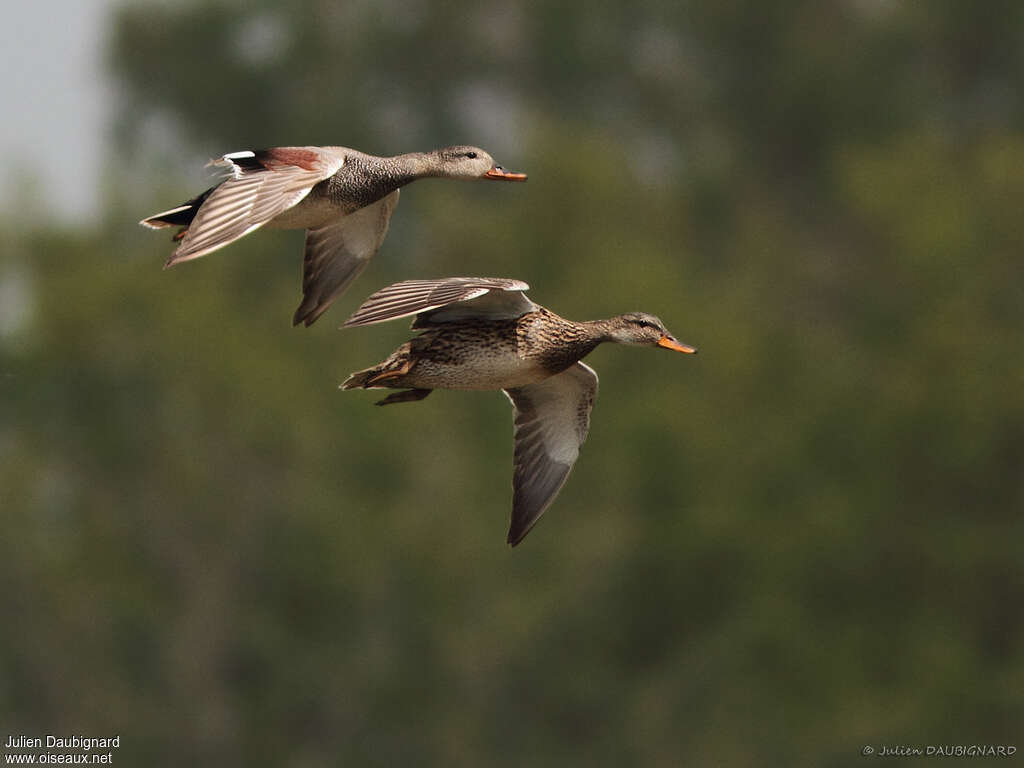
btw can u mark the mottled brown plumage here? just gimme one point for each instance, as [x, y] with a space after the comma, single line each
[488, 353]
[483, 333]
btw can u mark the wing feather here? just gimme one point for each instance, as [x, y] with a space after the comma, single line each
[336, 254]
[261, 185]
[494, 297]
[552, 418]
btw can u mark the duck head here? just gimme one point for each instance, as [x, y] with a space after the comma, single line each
[464, 162]
[642, 329]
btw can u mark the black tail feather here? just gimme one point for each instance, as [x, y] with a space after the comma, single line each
[180, 216]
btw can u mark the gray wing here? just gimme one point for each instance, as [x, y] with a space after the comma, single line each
[336, 254]
[262, 184]
[552, 418]
[444, 300]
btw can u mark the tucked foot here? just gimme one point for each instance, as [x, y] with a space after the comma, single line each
[405, 396]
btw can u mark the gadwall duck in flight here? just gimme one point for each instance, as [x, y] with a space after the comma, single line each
[342, 198]
[484, 333]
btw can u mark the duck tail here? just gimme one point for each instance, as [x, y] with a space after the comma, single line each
[359, 379]
[395, 367]
[180, 216]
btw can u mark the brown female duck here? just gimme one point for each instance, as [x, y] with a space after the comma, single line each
[342, 198]
[484, 333]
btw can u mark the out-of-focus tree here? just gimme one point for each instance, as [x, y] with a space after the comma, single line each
[803, 541]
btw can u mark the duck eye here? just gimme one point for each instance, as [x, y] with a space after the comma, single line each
[471, 155]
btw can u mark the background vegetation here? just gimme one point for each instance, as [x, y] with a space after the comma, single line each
[805, 540]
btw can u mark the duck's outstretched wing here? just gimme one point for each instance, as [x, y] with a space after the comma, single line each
[440, 301]
[262, 184]
[552, 418]
[336, 254]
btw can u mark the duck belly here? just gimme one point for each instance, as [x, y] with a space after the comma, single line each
[481, 373]
[312, 212]
[453, 360]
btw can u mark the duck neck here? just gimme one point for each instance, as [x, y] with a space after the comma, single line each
[599, 330]
[412, 166]
[593, 333]
[582, 338]
[556, 343]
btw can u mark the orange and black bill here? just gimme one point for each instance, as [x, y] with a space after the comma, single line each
[497, 172]
[669, 343]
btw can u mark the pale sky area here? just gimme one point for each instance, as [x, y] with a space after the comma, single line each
[56, 101]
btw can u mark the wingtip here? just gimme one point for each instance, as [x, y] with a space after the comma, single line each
[301, 314]
[515, 537]
[306, 316]
[354, 321]
[178, 257]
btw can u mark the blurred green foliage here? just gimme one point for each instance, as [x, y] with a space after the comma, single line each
[805, 540]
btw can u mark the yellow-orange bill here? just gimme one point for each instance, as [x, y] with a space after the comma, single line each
[497, 172]
[669, 343]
